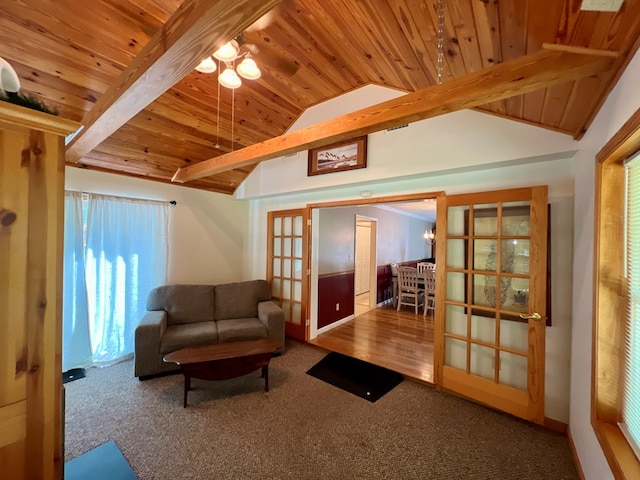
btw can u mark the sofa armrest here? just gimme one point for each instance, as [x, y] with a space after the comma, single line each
[273, 318]
[147, 339]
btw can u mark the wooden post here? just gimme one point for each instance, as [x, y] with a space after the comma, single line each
[31, 248]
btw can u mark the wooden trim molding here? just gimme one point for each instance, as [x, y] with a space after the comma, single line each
[336, 274]
[15, 116]
[376, 200]
[556, 425]
[574, 452]
[610, 300]
[624, 143]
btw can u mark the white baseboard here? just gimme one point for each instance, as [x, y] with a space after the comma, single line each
[335, 324]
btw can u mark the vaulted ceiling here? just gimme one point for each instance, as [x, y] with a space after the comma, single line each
[69, 53]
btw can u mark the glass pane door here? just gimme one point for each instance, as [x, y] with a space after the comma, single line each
[287, 267]
[491, 348]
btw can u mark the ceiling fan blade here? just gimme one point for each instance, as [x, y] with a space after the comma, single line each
[269, 55]
[263, 22]
[256, 40]
[286, 66]
[266, 20]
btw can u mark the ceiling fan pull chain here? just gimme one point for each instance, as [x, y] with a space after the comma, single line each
[217, 145]
[233, 137]
[233, 117]
[440, 65]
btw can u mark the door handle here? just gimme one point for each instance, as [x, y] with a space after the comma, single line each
[533, 316]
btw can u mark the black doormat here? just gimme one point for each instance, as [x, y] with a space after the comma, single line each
[73, 374]
[355, 376]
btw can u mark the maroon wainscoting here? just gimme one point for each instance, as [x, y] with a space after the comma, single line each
[335, 288]
[385, 284]
[339, 288]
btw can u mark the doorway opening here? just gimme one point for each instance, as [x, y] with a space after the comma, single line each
[365, 265]
[354, 245]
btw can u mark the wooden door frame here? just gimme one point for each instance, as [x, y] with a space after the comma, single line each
[352, 203]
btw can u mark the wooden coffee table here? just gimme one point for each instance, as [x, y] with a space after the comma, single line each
[224, 361]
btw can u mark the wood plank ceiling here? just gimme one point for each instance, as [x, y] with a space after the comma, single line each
[67, 53]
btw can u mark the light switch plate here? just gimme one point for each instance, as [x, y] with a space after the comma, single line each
[601, 5]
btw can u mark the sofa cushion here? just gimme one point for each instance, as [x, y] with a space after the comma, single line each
[188, 335]
[240, 299]
[183, 303]
[240, 329]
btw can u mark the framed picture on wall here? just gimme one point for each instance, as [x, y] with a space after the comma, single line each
[347, 155]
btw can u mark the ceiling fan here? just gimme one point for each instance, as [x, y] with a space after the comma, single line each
[247, 68]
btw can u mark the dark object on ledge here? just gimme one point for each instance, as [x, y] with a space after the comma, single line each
[28, 101]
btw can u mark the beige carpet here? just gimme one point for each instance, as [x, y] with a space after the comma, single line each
[302, 429]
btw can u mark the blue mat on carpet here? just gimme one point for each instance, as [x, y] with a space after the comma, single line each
[105, 462]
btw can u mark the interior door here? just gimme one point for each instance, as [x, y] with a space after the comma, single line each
[287, 267]
[491, 298]
[363, 240]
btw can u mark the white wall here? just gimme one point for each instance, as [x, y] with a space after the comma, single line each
[557, 174]
[399, 237]
[441, 144]
[206, 230]
[623, 101]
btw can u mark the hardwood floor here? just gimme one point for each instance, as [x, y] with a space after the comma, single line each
[400, 341]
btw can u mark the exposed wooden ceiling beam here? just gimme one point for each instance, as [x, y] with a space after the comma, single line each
[543, 69]
[196, 29]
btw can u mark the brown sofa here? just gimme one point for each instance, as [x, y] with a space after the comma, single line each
[180, 316]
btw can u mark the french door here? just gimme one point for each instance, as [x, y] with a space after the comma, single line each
[287, 267]
[490, 317]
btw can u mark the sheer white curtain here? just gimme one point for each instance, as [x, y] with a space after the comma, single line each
[76, 345]
[126, 256]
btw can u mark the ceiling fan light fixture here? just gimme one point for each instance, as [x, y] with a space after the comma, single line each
[229, 78]
[208, 65]
[248, 68]
[228, 52]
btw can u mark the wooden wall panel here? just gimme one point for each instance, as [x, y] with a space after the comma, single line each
[31, 246]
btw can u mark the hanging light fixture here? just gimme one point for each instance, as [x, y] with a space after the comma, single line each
[208, 65]
[229, 78]
[248, 68]
[229, 53]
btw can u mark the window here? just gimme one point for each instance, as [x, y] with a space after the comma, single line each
[630, 424]
[115, 252]
[614, 363]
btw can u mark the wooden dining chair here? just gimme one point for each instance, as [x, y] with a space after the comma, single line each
[410, 288]
[425, 266]
[429, 291]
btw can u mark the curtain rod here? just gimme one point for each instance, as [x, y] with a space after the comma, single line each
[173, 203]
